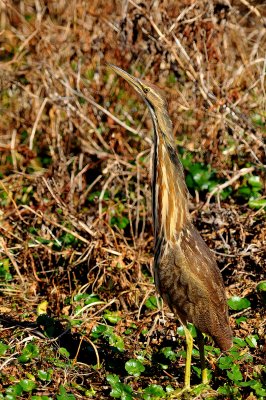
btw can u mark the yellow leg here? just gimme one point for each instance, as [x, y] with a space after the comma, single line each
[204, 375]
[189, 340]
[179, 392]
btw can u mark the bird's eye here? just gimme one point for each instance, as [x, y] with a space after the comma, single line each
[146, 90]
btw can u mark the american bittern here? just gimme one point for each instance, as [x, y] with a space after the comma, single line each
[185, 271]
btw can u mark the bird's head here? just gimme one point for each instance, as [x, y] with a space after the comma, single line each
[152, 95]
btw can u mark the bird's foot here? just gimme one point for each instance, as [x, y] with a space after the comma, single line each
[189, 392]
[178, 393]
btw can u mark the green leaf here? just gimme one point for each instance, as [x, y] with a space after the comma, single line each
[41, 398]
[67, 239]
[255, 182]
[15, 390]
[239, 342]
[257, 203]
[235, 354]
[249, 383]
[169, 353]
[180, 330]
[198, 389]
[225, 193]
[238, 303]
[261, 287]
[121, 391]
[29, 352]
[171, 79]
[235, 374]
[152, 303]
[98, 331]
[120, 222]
[200, 176]
[251, 341]
[64, 395]
[5, 274]
[43, 240]
[64, 352]
[226, 390]
[244, 191]
[260, 391]
[95, 196]
[116, 341]
[153, 392]
[27, 385]
[225, 362]
[45, 375]
[112, 379]
[112, 316]
[89, 74]
[92, 298]
[134, 367]
[258, 119]
[241, 319]
[3, 348]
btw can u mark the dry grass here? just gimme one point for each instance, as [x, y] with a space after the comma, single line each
[75, 155]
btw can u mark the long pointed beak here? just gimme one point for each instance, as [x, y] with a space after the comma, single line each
[125, 75]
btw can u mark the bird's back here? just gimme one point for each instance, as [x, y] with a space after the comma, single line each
[187, 277]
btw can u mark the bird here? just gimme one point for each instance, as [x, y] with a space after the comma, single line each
[185, 271]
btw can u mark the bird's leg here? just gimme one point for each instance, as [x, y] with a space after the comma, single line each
[189, 340]
[204, 375]
[179, 392]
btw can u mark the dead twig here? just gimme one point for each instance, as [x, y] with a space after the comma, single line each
[219, 188]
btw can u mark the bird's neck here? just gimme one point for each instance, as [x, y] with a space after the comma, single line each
[169, 191]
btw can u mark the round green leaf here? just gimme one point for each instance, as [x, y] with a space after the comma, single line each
[30, 351]
[27, 385]
[15, 390]
[116, 341]
[261, 287]
[112, 379]
[98, 331]
[134, 367]
[168, 353]
[45, 375]
[238, 303]
[225, 362]
[153, 392]
[121, 391]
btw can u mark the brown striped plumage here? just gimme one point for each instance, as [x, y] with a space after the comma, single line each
[185, 271]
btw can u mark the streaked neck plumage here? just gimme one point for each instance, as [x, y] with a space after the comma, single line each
[169, 191]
